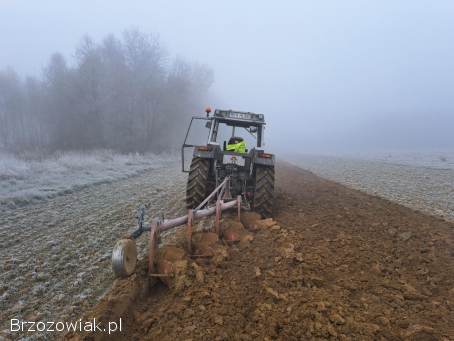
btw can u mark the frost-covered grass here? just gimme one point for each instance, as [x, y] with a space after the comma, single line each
[420, 181]
[437, 159]
[24, 180]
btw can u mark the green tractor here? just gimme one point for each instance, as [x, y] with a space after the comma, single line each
[234, 149]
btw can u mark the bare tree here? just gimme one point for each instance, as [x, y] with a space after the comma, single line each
[121, 94]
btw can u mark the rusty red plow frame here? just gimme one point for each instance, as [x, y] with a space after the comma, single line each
[124, 254]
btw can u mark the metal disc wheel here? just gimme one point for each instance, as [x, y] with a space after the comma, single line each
[124, 257]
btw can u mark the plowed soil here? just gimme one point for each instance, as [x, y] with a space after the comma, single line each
[340, 264]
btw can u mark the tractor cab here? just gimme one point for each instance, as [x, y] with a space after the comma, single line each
[234, 127]
[226, 130]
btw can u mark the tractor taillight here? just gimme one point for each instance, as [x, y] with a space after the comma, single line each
[265, 155]
[203, 148]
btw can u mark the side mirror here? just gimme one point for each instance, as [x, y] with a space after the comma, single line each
[208, 125]
[253, 130]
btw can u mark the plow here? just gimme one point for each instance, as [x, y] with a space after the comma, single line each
[222, 176]
[124, 254]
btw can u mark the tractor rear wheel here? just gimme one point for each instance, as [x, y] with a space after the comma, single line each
[264, 191]
[198, 182]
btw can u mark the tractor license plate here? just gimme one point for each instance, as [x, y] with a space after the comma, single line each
[234, 159]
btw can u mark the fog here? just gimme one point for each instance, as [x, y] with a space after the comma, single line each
[329, 76]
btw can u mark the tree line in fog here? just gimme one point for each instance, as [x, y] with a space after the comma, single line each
[124, 94]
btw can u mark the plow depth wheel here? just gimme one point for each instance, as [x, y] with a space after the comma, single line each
[124, 257]
[264, 191]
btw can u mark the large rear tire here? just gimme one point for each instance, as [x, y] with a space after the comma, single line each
[198, 182]
[264, 191]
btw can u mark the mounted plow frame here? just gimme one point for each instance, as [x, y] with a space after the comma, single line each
[124, 254]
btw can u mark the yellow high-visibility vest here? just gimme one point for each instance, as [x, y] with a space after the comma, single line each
[239, 147]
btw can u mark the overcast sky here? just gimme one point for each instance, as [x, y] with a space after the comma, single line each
[328, 75]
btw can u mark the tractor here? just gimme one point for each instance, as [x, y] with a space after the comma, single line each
[233, 149]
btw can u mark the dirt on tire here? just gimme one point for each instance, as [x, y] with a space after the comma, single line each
[198, 186]
[339, 264]
[264, 191]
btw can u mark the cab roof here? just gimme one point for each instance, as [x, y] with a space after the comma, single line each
[232, 116]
